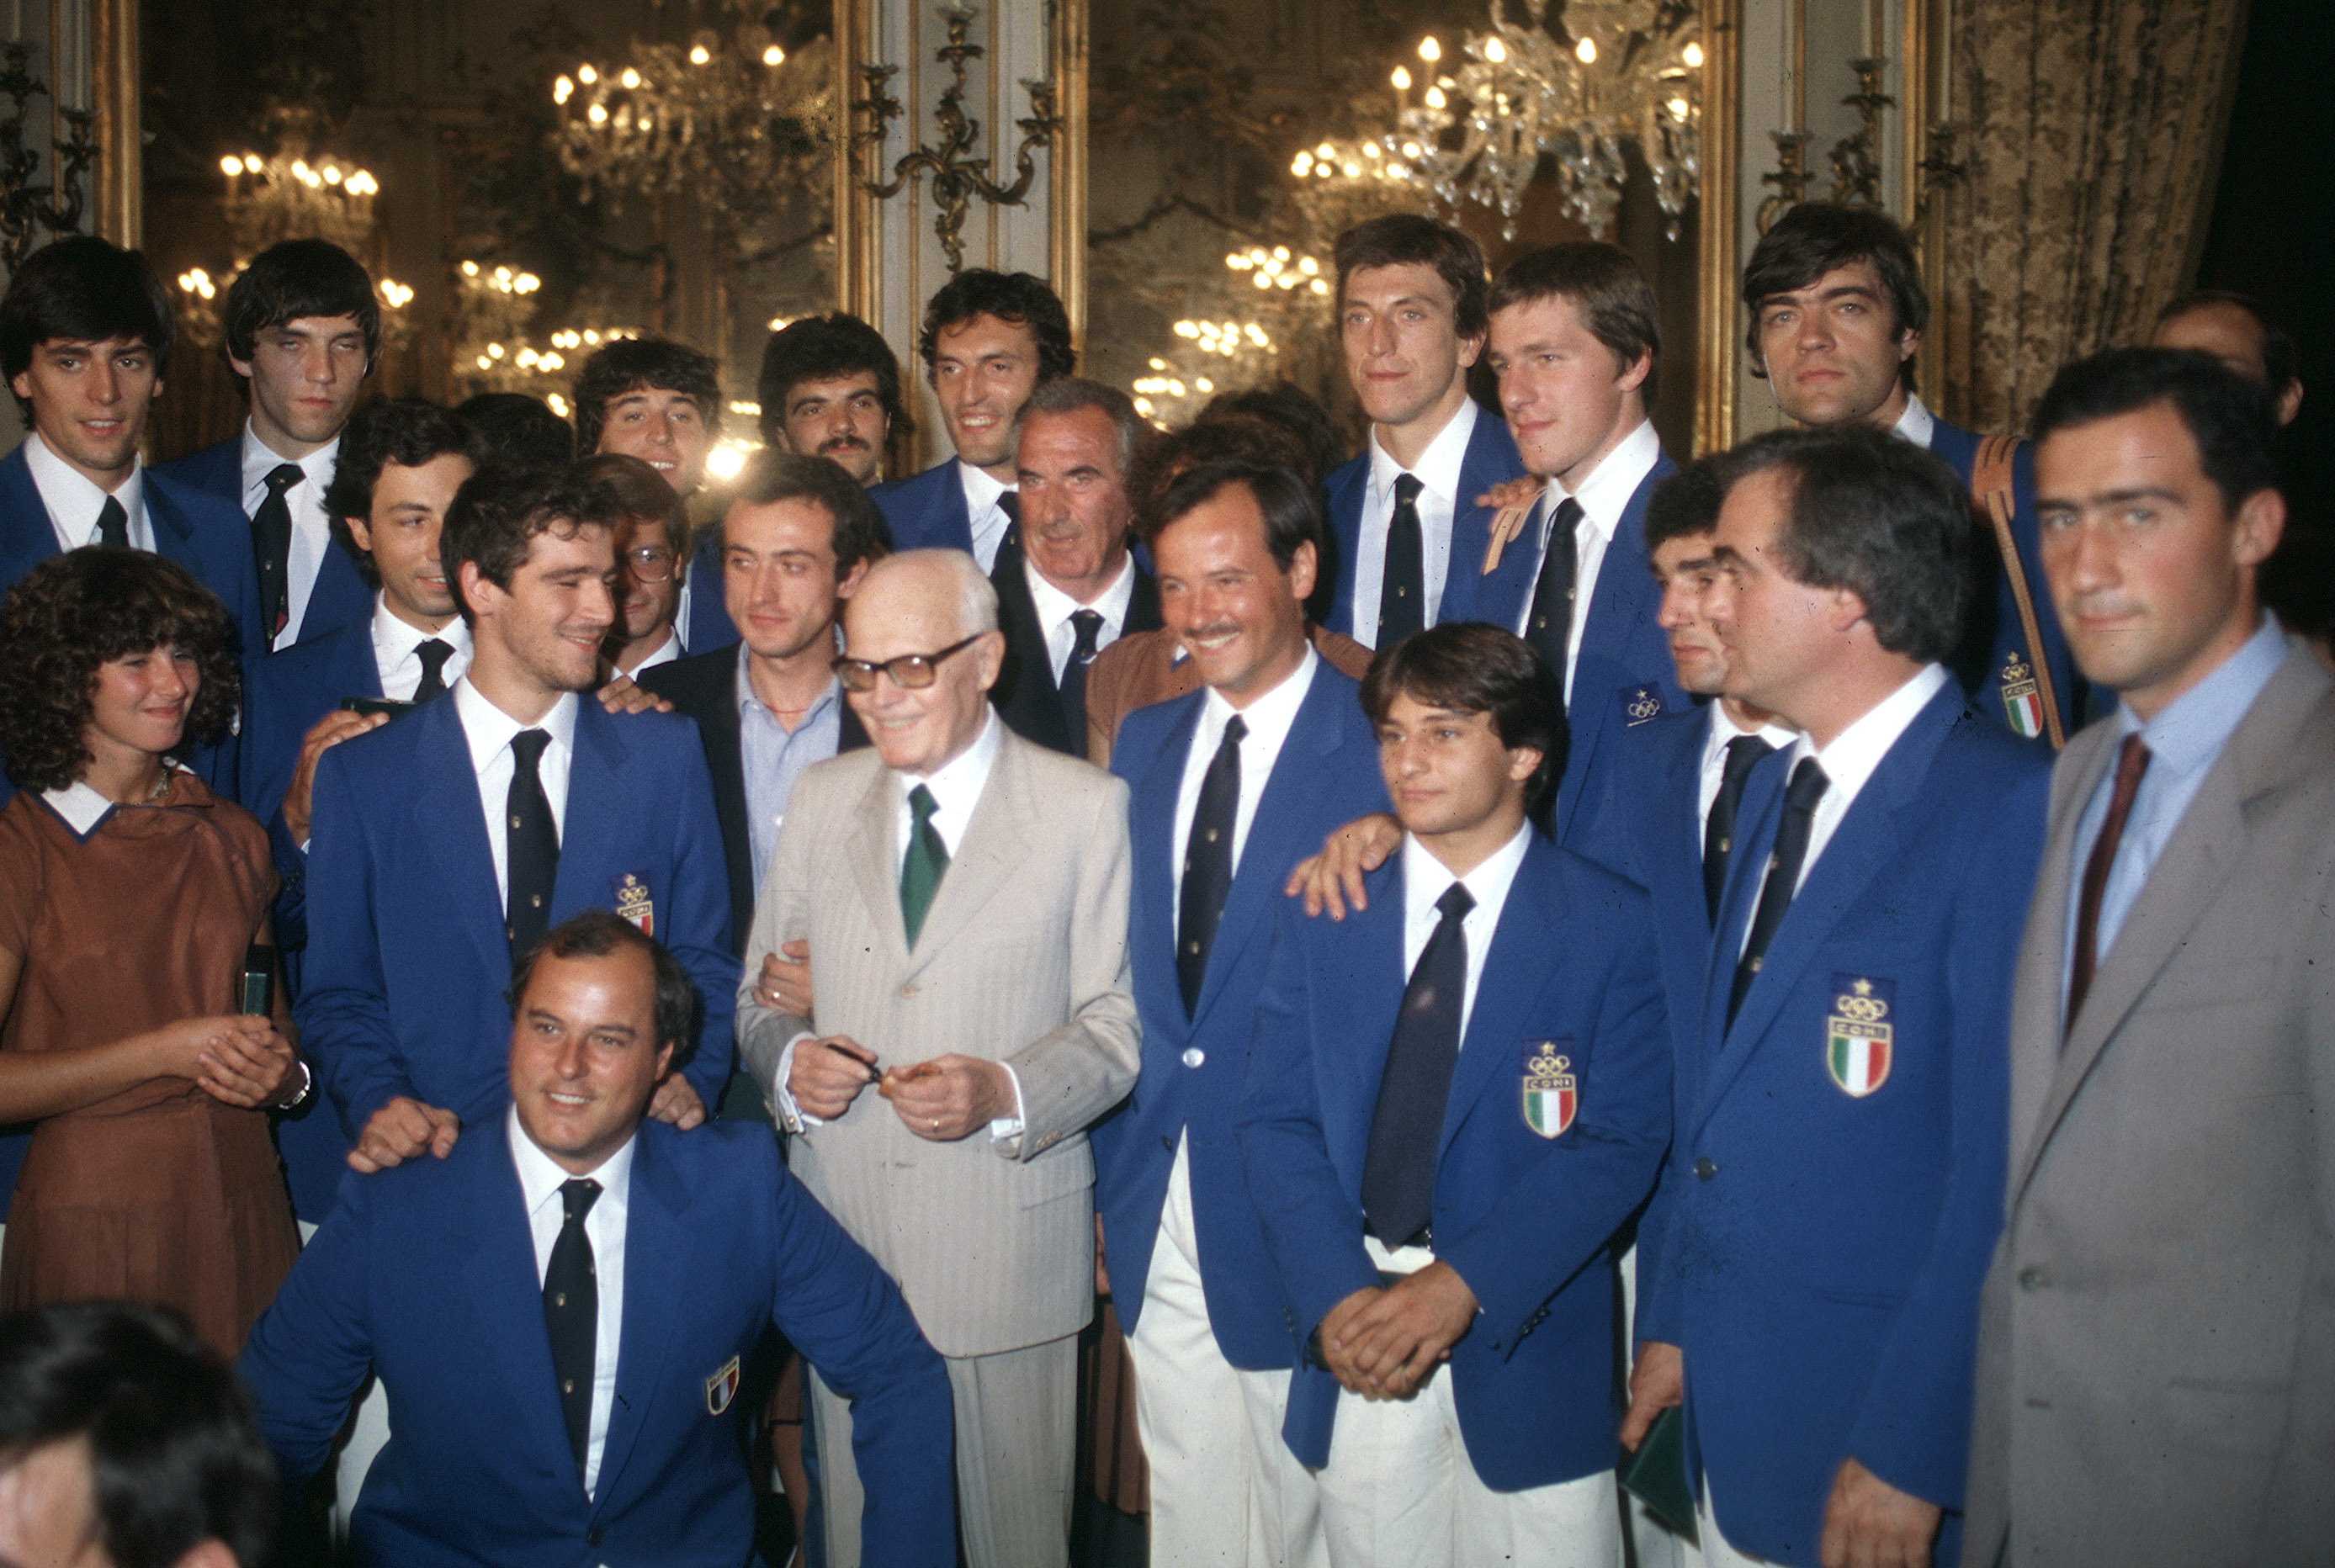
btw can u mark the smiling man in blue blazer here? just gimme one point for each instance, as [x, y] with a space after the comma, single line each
[1836, 1181]
[85, 336]
[559, 1309]
[443, 843]
[990, 339]
[1406, 535]
[1219, 815]
[1450, 1156]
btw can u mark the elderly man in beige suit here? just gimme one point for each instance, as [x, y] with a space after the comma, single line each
[964, 895]
[2157, 1353]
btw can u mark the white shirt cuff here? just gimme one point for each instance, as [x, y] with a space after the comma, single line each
[1006, 1126]
[791, 1116]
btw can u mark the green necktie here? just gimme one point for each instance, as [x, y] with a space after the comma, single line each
[927, 857]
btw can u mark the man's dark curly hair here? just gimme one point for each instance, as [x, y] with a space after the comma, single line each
[631, 363]
[1016, 297]
[498, 511]
[84, 608]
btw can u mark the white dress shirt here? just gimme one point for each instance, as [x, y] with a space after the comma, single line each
[73, 502]
[1603, 495]
[1854, 754]
[1426, 879]
[394, 641]
[489, 730]
[982, 511]
[1715, 737]
[539, 1181]
[312, 529]
[1438, 472]
[1055, 609]
[1268, 718]
[664, 652]
[1916, 424]
[955, 785]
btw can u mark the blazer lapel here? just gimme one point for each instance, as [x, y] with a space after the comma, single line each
[1142, 605]
[1524, 949]
[356, 669]
[654, 1237]
[992, 848]
[596, 804]
[875, 860]
[2036, 1054]
[1152, 823]
[451, 821]
[2188, 877]
[1280, 813]
[1860, 846]
[507, 1295]
[32, 535]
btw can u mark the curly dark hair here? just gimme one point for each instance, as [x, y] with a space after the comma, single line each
[84, 608]
[1019, 298]
[633, 363]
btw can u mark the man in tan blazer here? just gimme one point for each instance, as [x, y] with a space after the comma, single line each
[2157, 1351]
[964, 895]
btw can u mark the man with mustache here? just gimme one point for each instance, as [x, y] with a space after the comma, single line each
[830, 388]
[990, 339]
[1067, 586]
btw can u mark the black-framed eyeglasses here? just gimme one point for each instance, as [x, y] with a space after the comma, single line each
[650, 562]
[911, 671]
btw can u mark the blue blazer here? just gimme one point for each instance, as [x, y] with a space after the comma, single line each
[1825, 1245]
[926, 511]
[1651, 833]
[340, 595]
[1491, 460]
[1624, 675]
[1993, 637]
[426, 1273]
[1527, 1221]
[1326, 776]
[404, 990]
[193, 529]
[285, 695]
[710, 626]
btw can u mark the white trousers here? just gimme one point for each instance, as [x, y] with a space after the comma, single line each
[1226, 1490]
[1657, 1546]
[1400, 1487]
[1716, 1552]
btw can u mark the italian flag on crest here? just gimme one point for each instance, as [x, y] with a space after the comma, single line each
[1857, 1036]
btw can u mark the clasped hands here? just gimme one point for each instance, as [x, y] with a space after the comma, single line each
[1382, 1341]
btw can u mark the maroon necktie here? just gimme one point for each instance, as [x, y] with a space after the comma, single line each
[2132, 761]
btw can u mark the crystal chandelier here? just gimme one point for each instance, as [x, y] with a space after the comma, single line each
[1625, 73]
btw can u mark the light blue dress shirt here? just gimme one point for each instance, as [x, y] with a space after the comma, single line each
[773, 759]
[2183, 742]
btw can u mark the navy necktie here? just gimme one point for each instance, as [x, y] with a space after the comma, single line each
[433, 652]
[1407, 1127]
[532, 852]
[1783, 862]
[571, 1314]
[271, 545]
[1403, 589]
[113, 524]
[1743, 753]
[1208, 863]
[1548, 625]
[1086, 628]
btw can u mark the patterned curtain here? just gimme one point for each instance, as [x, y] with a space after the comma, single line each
[2092, 136]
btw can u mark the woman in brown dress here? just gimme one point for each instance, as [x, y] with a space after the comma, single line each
[130, 895]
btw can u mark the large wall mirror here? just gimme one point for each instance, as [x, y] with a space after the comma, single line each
[523, 178]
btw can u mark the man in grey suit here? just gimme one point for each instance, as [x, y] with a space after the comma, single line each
[2157, 1351]
[964, 895]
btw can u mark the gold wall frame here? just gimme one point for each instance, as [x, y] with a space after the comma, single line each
[118, 197]
[1718, 222]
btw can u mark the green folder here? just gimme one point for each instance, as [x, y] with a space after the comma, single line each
[1656, 1474]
